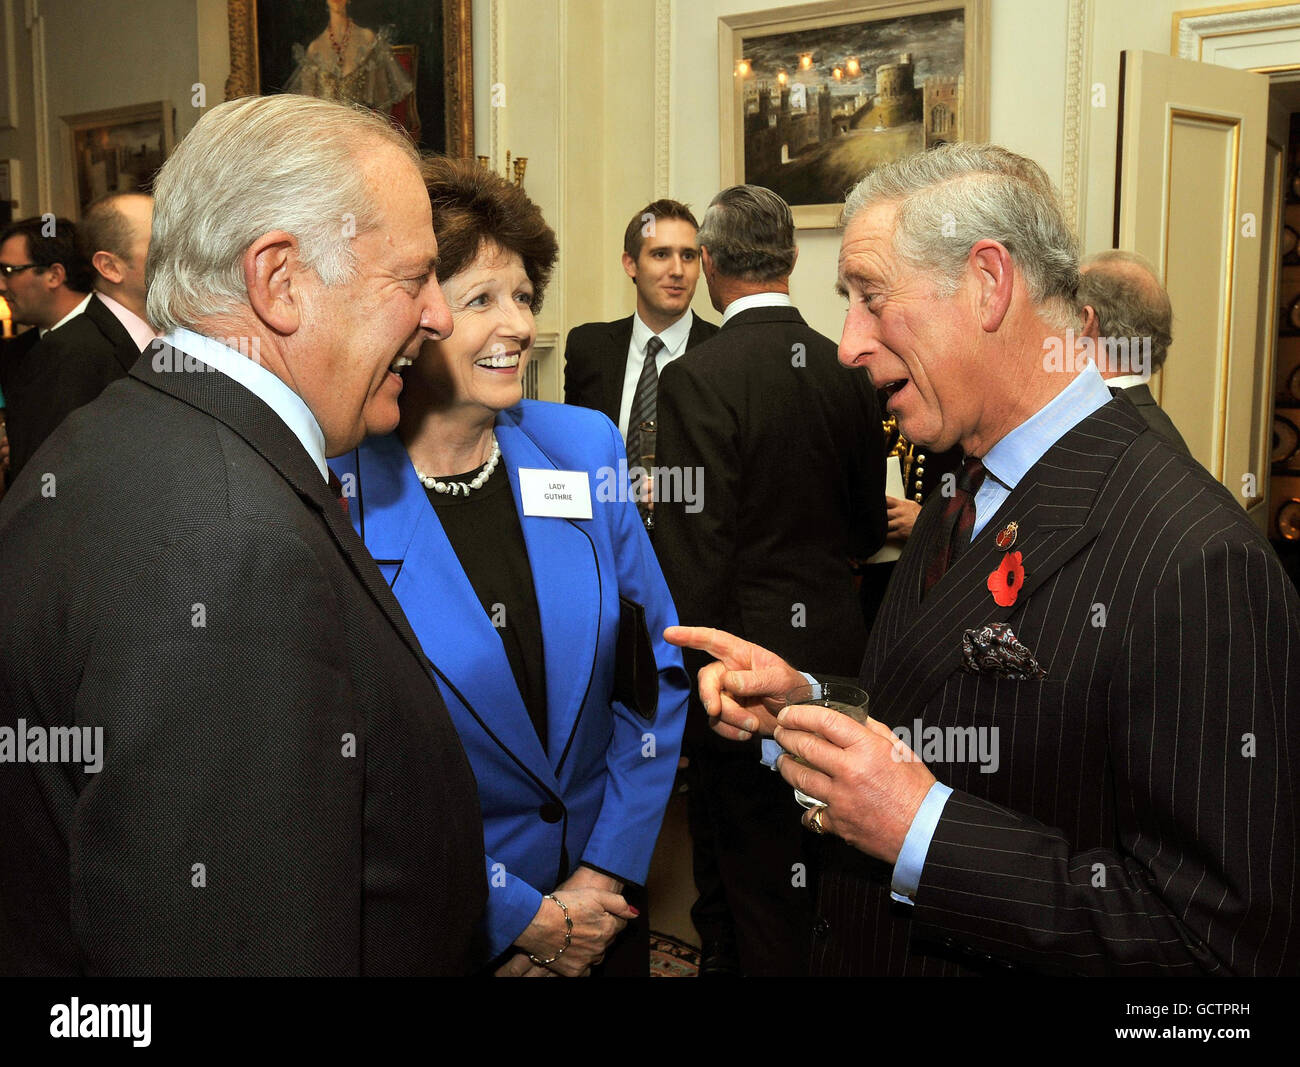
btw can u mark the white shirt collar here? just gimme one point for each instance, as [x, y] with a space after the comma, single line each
[674, 338]
[1125, 381]
[755, 300]
[70, 315]
[259, 381]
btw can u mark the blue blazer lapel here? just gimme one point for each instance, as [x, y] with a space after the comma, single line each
[566, 579]
[404, 535]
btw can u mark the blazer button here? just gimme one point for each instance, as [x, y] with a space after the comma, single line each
[551, 812]
[920, 471]
[917, 498]
[920, 457]
[821, 928]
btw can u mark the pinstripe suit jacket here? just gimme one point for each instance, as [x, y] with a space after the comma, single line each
[1143, 815]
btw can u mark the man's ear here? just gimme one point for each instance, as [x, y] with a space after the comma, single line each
[1091, 324]
[995, 275]
[272, 272]
[706, 262]
[55, 276]
[107, 265]
[629, 266]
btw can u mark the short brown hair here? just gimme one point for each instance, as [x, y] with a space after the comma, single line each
[472, 205]
[634, 235]
[48, 245]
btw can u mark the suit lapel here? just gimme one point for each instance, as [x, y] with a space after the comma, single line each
[247, 415]
[566, 579]
[620, 338]
[1053, 508]
[124, 346]
[404, 535]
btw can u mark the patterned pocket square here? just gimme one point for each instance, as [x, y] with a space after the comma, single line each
[995, 650]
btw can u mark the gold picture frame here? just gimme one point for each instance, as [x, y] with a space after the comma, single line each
[803, 134]
[458, 67]
[118, 150]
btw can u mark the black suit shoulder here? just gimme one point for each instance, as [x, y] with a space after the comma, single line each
[263, 717]
[1156, 417]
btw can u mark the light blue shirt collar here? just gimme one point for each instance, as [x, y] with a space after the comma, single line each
[755, 300]
[259, 381]
[674, 338]
[1009, 460]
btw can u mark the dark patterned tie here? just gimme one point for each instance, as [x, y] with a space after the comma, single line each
[643, 400]
[955, 522]
[336, 487]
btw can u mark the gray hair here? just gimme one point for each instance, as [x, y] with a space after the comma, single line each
[957, 194]
[250, 166]
[1128, 305]
[749, 232]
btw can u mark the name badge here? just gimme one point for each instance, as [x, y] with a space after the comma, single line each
[555, 494]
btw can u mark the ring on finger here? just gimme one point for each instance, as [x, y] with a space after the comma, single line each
[815, 820]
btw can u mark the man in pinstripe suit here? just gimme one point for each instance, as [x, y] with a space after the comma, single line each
[1084, 598]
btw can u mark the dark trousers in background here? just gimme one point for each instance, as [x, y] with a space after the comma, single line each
[755, 856]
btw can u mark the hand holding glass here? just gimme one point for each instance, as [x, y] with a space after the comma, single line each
[848, 699]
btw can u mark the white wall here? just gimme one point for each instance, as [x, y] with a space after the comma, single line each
[581, 85]
[112, 53]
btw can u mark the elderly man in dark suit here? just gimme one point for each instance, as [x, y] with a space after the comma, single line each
[277, 788]
[1088, 655]
[1128, 318]
[791, 451]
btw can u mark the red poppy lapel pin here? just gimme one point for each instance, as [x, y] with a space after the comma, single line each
[1005, 582]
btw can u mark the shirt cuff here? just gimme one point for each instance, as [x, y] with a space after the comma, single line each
[771, 750]
[916, 845]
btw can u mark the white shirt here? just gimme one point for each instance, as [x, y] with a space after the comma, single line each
[755, 300]
[674, 339]
[261, 383]
[1125, 381]
[141, 332]
[70, 315]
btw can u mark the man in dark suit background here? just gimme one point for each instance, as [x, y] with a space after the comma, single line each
[74, 363]
[1092, 650]
[1126, 312]
[276, 785]
[47, 284]
[605, 362]
[791, 451]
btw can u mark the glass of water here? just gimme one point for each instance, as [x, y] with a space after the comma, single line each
[848, 699]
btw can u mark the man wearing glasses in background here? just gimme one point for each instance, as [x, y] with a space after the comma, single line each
[47, 285]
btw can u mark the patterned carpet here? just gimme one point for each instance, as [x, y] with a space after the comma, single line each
[671, 958]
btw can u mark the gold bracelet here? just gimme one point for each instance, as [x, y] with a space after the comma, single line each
[568, 933]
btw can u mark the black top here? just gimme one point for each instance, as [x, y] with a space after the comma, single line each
[486, 535]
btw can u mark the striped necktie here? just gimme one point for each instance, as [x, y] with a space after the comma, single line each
[643, 400]
[955, 522]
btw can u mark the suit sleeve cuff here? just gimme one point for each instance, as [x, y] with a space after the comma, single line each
[911, 857]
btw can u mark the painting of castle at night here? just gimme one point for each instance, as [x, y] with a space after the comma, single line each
[824, 106]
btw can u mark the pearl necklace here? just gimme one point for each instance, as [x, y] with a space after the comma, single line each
[464, 488]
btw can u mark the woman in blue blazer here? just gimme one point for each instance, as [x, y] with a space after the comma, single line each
[491, 517]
